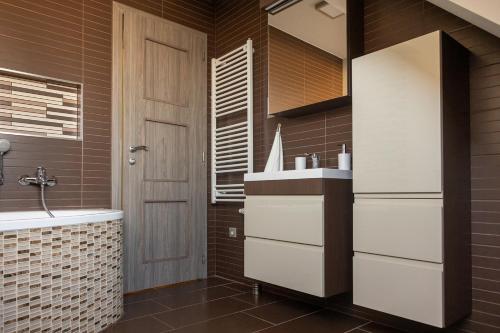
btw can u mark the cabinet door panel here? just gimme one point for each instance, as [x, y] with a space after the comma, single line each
[405, 288]
[397, 118]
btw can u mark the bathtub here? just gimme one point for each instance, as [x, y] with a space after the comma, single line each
[39, 219]
[62, 273]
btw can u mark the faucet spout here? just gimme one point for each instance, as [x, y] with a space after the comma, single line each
[27, 180]
[315, 159]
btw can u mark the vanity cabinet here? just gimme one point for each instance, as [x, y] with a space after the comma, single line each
[298, 234]
[411, 180]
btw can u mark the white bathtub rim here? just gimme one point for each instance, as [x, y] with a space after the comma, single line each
[11, 221]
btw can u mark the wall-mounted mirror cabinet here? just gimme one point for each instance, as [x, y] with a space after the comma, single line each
[310, 47]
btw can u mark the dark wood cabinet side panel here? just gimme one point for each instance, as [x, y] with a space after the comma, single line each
[456, 180]
[338, 236]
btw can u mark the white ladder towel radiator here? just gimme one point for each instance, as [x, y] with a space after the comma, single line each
[232, 123]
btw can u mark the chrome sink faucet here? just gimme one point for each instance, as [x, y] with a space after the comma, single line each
[315, 160]
[42, 180]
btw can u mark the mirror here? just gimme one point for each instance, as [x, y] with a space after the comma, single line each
[308, 54]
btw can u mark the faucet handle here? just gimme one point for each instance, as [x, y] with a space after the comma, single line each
[41, 172]
[51, 182]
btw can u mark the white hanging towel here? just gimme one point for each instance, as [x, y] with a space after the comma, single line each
[275, 160]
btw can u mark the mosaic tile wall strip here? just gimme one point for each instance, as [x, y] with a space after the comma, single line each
[39, 107]
[61, 279]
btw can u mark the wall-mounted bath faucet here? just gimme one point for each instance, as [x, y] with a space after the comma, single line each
[42, 180]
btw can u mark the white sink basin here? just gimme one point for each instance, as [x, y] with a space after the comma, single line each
[299, 174]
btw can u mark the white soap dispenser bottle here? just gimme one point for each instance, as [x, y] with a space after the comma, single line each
[344, 159]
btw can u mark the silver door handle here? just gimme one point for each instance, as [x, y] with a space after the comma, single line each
[133, 149]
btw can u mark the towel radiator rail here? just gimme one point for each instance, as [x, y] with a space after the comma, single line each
[232, 123]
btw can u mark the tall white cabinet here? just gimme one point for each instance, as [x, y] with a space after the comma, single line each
[411, 180]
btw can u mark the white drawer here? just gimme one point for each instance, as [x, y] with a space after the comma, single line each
[291, 218]
[405, 288]
[294, 266]
[405, 228]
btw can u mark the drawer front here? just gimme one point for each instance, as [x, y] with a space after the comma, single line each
[405, 228]
[405, 288]
[294, 266]
[292, 218]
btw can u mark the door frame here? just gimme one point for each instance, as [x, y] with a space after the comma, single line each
[117, 109]
[117, 106]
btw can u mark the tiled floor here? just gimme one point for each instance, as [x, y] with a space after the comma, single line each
[222, 306]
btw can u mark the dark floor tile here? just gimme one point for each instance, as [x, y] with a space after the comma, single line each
[175, 301]
[257, 300]
[324, 321]
[377, 328]
[282, 311]
[239, 286]
[139, 309]
[140, 296]
[217, 281]
[215, 305]
[180, 289]
[144, 324]
[201, 312]
[184, 287]
[238, 322]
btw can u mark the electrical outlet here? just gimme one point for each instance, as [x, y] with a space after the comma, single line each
[232, 233]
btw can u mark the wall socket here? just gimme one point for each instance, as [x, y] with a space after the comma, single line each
[232, 233]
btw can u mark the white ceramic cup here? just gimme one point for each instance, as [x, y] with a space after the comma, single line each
[300, 163]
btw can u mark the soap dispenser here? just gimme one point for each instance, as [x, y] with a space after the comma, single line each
[344, 159]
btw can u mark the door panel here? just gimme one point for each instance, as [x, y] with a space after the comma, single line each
[164, 108]
[397, 118]
[168, 155]
[167, 73]
[166, 230]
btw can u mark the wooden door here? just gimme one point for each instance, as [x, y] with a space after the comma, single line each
[164, 196]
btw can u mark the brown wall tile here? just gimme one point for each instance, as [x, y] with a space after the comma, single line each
[71, 40]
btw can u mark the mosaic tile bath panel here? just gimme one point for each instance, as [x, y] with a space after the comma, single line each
[61, 279]
[35, 106]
